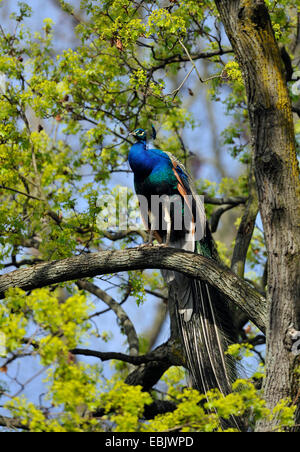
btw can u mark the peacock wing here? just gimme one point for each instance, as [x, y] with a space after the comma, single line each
[195, 204]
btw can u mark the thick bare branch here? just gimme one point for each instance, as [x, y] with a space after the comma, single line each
[190, 264]
[150, 366]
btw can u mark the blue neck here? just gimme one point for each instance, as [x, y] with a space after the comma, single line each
[140, 160]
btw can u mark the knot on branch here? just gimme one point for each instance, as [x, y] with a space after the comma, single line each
[257, 13]
[292, 341]
[270, 163]
[260, 15]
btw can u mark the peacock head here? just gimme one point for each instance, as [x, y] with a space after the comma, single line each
[139, 134]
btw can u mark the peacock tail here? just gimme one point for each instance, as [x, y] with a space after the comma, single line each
[204, 325]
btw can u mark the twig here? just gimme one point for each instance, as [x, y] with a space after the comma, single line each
[176, 91]
[3, 187]
[105, 356]
[194, 65]
[235, 200]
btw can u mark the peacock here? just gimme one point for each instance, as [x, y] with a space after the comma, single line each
[203, 321]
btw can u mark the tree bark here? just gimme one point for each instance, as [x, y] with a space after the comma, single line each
[104, 262]
[248, 27]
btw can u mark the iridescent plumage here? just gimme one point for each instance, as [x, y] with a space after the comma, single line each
[202, 316]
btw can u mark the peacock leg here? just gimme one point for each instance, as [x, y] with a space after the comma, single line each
[169, 225]
[150, 241]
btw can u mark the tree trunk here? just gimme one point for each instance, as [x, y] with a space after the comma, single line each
[247, 24]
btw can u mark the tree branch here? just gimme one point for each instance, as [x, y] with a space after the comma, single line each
[14, 190]
[150, 366]
[104, 262]
[147, 374]
[158, 407]
[12, 423]
[232, 200]
[245, 230]
[124, 320]
[106, 356]
[150, 411]
[216, 215]
[184, 58]
[194, 65]
[296, 109]
[114, 236]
